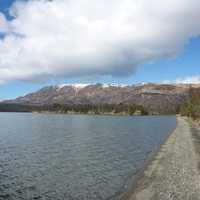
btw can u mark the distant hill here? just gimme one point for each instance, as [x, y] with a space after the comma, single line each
[154, 98]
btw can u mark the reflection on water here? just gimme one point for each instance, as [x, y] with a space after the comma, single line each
[74, 157]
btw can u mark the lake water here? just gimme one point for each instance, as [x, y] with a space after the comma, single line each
[75, 157]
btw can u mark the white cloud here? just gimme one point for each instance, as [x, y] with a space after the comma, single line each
[186, 80]
[67, 38]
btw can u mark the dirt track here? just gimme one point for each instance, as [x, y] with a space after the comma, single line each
[174, 173]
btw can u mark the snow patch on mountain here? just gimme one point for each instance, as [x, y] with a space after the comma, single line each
[82, 85]
[113, 85]
[76, 85]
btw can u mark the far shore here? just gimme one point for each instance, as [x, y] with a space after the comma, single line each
[100, 114]
[174, 171]
[90, 114]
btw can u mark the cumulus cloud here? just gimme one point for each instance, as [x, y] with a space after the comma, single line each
[185, 80]
[67, 38]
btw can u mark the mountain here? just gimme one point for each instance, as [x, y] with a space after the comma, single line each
[152, 97]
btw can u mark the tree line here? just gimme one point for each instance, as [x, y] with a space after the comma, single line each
[97, 109]
[78, 108]
[192, 107]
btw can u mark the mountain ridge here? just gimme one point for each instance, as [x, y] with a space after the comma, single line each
[159, 98]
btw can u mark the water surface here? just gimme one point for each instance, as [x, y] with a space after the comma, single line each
[75, 157]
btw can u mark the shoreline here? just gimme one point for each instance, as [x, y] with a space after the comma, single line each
[140, 174]
[92, 114]
[173, 172]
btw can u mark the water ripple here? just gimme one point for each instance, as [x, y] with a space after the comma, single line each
[56, 157]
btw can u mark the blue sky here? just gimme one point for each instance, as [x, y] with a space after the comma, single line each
[5, 4]
[185, 64]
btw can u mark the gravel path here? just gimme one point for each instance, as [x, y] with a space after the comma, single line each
[174, 173]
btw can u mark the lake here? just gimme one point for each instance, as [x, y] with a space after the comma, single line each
[75, 157]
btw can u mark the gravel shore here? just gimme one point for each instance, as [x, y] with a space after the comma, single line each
[174, 174]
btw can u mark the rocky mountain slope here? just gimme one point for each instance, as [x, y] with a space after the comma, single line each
[153, 97]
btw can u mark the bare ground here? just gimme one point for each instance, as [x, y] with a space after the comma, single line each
[174, 174]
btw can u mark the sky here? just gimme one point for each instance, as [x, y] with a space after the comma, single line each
[53, 42]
